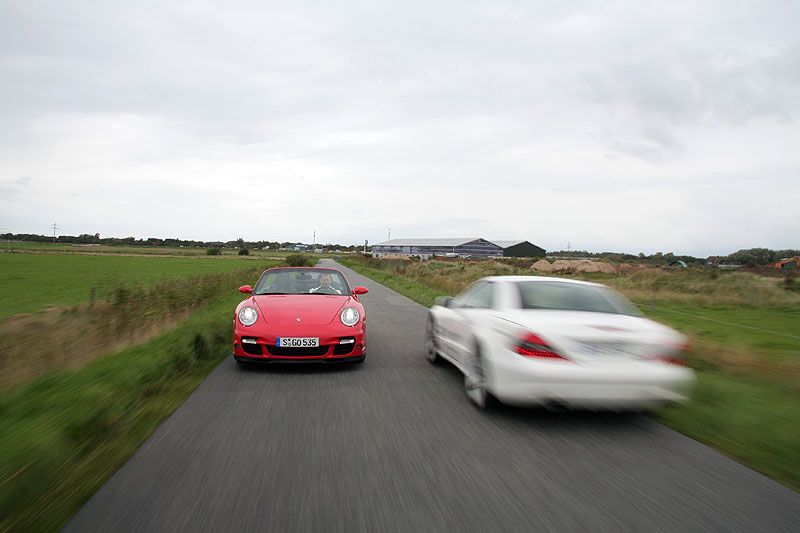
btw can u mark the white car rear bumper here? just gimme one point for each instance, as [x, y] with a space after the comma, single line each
[623, 385]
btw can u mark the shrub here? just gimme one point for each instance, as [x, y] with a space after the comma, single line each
[201, 348]
[297, 260]
[213, 251]
[244, 251]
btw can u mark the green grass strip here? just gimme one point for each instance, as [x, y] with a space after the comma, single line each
[65, 434]
[754, 422]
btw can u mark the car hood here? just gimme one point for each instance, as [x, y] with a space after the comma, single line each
[311, 309]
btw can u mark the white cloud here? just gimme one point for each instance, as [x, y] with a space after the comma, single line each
[612, 126]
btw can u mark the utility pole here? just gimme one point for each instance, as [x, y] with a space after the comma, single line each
[390, 235]
[55, 227]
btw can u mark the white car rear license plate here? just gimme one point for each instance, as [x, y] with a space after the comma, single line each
[604, 349]
[297, 342]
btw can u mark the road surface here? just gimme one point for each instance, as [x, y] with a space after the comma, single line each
[394, 445]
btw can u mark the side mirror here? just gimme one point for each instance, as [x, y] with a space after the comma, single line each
[444, 301]
[247, 289]
[360, 290]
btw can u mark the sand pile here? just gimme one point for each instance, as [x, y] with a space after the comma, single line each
[579, 265]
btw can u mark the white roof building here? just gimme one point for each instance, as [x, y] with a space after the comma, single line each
[462, 247]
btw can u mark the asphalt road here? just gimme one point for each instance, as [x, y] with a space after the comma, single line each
[394, 445]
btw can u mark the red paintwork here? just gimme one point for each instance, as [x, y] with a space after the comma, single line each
[278, 316]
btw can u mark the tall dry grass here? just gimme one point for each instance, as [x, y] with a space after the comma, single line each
[32, 345]
[707, 288]
[697, 287]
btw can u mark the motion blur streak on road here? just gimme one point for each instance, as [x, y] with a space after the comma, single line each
[394, 445]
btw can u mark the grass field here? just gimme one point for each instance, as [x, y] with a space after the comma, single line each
[746, 351]
[32, 282]
[136, 298]
[773, 333]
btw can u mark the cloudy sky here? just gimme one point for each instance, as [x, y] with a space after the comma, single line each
[605, 126]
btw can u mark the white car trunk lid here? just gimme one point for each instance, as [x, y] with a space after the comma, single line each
[597, 338]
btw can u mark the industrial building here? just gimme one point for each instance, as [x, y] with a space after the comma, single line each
[474, 247]
[520, 249]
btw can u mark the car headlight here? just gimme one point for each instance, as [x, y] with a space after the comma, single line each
[248, 316]
[350, 316]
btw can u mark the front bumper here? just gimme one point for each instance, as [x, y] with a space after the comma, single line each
[331, 359]
[335, 344]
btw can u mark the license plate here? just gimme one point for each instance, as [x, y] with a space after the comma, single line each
[297, 342]
[603, 349]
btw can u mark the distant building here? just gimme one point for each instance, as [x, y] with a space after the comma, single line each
[467, 247]
[520, 249]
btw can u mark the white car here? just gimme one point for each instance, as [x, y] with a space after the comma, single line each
[529, 340]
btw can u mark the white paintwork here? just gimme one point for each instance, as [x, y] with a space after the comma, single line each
[615, 360]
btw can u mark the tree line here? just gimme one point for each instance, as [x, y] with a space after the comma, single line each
[86, 238]
[752, 257]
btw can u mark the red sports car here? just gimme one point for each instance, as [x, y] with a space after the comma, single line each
[300, 315]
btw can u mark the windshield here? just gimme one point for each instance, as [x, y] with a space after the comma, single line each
[302, 281]
[574, 297]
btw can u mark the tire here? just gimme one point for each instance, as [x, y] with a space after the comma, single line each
[475, 382]
[431, 350]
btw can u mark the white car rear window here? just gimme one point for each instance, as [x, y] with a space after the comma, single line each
[574, 297]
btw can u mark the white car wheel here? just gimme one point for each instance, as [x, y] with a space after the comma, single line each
[431, 351]
[475, 382]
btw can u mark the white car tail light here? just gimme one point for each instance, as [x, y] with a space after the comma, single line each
[676, 357]
[533, 346]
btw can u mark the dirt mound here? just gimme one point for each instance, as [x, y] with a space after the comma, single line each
[627, 268]
[562, 265]
[595, 266]
[576, 265]
[543, 265]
